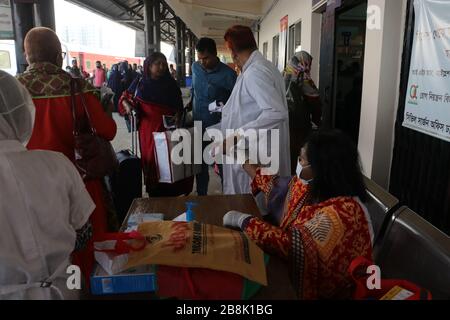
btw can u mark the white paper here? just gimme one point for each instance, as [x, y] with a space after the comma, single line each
[181, 218]
[111, 263]
[214, 108]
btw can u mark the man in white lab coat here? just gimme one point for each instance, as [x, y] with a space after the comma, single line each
[258, 101]
[43, 203]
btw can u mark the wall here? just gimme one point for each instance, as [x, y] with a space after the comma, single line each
[311, 28]
[381, 90]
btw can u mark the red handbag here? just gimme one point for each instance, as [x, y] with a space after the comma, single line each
[389, 287]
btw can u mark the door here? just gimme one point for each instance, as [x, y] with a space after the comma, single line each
[348, 68]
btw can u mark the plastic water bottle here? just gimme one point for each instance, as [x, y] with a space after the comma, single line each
[190, 216]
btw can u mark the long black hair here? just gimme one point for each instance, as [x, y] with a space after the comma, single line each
[336, 166]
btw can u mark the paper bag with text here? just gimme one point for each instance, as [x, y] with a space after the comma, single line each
[197, 245]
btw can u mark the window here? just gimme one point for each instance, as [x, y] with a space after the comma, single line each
[265, 49]
[276, 50]
[5, 60]
[295, 39]
[88, 64]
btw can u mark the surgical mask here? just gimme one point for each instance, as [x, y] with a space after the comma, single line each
[299, 171]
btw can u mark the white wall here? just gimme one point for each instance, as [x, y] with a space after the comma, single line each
[381, 90]
[311, 28]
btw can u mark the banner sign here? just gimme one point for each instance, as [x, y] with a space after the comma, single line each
[427, 107]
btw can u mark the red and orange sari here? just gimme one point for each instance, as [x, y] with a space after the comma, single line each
[319, 240]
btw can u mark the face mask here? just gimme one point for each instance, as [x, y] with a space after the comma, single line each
[299, 173]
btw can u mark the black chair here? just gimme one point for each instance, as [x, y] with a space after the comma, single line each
[381, 205]
[414, 250]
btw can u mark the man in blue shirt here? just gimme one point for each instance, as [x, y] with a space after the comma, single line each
[212, 81]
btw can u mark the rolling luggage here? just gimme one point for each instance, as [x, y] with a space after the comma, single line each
[126, 183]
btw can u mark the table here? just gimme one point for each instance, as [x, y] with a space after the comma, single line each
[210, 210]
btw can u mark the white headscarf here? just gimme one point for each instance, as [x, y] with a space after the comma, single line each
[17, 110]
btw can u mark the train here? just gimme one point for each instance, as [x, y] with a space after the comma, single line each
[85, 59]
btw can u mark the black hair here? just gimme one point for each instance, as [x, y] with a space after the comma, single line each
[206, 45]
[336, 166]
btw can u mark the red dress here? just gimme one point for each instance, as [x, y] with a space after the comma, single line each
[53, 130]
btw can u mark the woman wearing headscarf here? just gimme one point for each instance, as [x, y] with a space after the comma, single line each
[154, 95]
[44, 206]
[303, 100]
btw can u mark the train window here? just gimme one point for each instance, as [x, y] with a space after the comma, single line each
[5, 60]
[88, 64]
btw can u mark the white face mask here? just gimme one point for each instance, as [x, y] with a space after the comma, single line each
[299, 171]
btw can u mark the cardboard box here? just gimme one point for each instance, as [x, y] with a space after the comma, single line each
[138, 280]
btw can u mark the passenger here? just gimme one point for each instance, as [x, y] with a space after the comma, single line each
[135, 72]
[173, 72]
[44, 206]
[50, 86]
[318, 220]
[74, 70]
[211, 81]
[115, 84]
[303, 101]
[258, 101]
[153, 96]
[99, 75]
[126, 81]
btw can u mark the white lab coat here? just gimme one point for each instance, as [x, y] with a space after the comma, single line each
[43, 201]
[258, 101]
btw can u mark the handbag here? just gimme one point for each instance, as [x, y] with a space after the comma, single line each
[95, 157]
[391, 289]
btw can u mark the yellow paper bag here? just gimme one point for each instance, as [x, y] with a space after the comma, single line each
[198, 245]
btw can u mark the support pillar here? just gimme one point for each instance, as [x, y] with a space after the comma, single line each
[152, 18]
[183, 54]
[181, 71]
[45, 14]
[23, 16]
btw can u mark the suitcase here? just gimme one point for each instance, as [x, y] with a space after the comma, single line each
[126, 183]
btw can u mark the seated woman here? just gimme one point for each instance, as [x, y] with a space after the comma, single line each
[44, 206]
[154, 95]
[318, 220]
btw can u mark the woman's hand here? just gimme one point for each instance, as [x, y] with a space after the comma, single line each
[251, 169]
[127, 107]
[234, 219]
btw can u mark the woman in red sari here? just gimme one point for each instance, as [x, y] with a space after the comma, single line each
[317, 220]
[153, 96]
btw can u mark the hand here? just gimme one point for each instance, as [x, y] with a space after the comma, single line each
[234, 219]
[127, 106]
[250, 169]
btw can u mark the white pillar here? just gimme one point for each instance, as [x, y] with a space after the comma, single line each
[381, 87]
